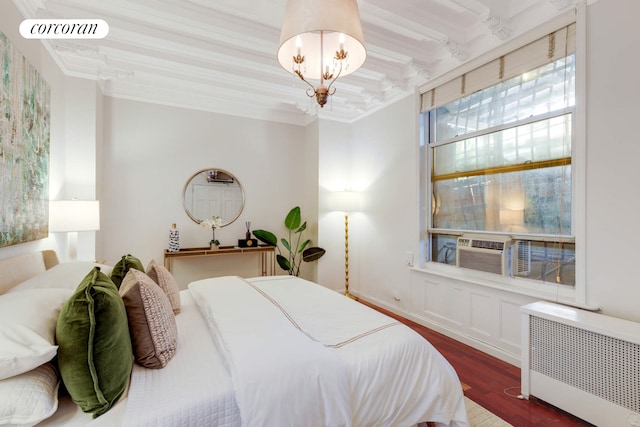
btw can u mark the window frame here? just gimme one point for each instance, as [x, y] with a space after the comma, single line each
[575, 295]
[564, 238]
[514, 236]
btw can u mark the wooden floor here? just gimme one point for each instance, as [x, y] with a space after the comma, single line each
[492, 383]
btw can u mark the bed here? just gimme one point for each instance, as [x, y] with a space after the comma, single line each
[276, 350]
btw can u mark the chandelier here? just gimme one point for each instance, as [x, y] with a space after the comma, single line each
[321, 40]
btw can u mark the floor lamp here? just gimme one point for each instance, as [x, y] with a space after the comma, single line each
[346, 201]
[71, 216]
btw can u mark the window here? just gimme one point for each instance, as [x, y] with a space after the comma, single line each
[498, 163]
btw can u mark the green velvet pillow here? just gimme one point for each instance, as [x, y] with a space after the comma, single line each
[95, 357]
[122, 267]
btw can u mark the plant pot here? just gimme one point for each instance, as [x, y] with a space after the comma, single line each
[214, 247]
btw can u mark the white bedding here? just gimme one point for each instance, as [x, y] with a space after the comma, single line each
[194, 389]
[66, 275]
[267, 329]
[280, 376]
[277, 351]
[70, 415]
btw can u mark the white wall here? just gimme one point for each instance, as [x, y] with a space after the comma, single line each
[335, 175]
[376, 157]
[613, 153]
[81, 100]
[150, 151]
[385, 167]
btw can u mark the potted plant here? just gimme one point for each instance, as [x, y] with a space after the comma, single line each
[295, 254]
[212, 223]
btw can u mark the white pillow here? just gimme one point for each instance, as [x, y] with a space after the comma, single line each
[66, 275]
[28, 327]
[29, 398]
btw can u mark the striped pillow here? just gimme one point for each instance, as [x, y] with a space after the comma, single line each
[159, 274]
[152, 325]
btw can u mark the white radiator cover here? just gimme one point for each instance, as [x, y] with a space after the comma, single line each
[585, 363]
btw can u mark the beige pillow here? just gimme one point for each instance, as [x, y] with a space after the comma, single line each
[29, 398]
[167, 282]
[152, 325]
[66, 275]
[28, 327]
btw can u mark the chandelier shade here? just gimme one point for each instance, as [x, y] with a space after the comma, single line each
[321, 40]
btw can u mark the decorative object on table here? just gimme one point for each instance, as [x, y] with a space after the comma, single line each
[174, 239]
[295, 253]
[346, 201]
[212, 223]
[247, 242]
[24, 148]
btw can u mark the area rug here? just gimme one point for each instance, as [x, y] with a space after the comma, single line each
[480, 417]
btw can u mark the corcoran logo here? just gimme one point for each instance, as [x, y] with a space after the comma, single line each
[64, 29]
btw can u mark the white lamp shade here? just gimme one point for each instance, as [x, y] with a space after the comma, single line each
[74, 215]
[345, 201]
[306, 18]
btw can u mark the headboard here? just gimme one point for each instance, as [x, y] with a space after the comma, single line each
[17, 269]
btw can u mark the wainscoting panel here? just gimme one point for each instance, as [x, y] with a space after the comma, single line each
[438, 301]
[482, 314]
[431, 298]
[457, 297]
[486, 318]
[509, 332]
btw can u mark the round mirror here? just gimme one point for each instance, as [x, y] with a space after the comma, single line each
[213, 192]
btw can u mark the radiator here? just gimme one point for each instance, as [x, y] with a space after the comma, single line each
[582, 362]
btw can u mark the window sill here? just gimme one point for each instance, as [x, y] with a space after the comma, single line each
[560, 294]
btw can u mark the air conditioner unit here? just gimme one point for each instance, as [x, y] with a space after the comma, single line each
[521, 258]
[484, 253]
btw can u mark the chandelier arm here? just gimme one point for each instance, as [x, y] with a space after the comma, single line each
[313, 89]
[331, 92]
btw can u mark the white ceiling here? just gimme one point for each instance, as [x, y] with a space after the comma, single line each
[220, 55]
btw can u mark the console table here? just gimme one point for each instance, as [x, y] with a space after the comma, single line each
[267, 255]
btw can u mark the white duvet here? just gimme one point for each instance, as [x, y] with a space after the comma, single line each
[300, 354]
[194, 389]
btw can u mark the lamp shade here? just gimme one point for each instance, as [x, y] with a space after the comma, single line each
[74, 215]
[345, 201]
[306, 19]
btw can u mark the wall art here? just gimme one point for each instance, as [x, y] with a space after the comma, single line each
[25, 99]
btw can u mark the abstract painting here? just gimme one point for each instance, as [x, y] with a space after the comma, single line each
[24, 148]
